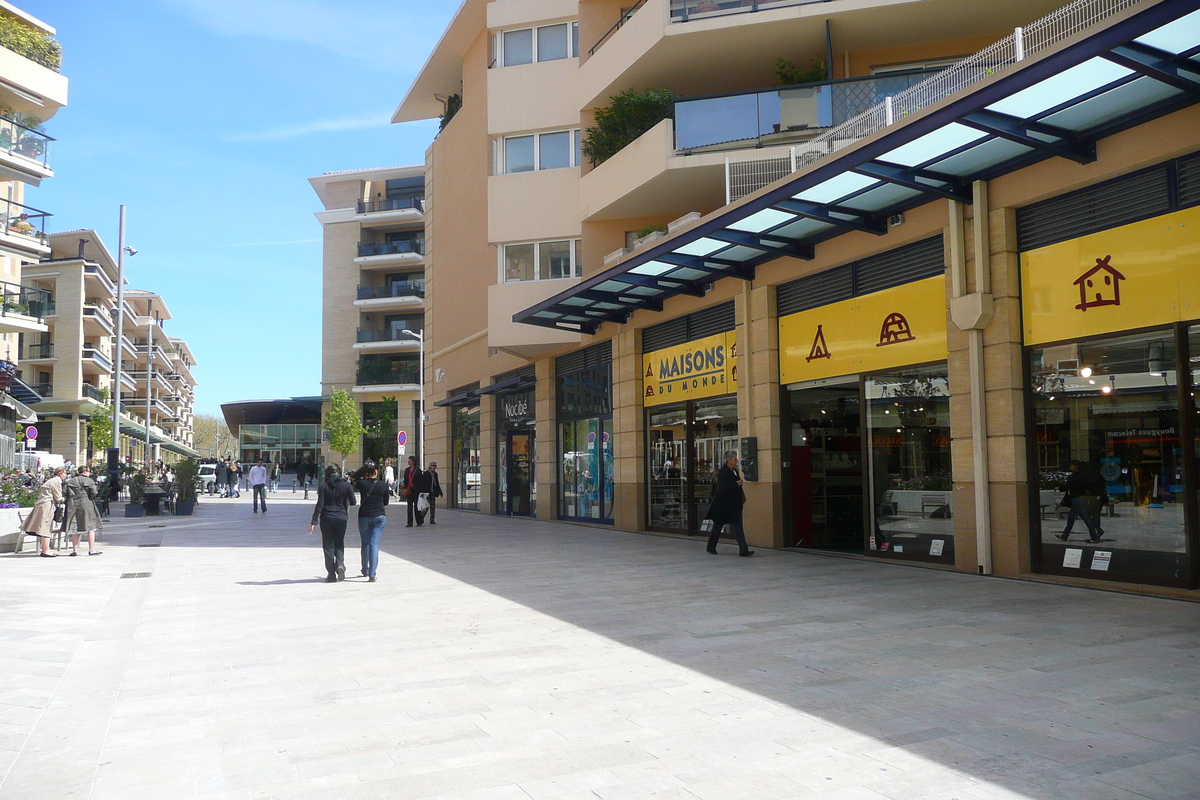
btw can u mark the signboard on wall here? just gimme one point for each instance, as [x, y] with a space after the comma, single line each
[1135, 276]
[895, 327]
[704, 368]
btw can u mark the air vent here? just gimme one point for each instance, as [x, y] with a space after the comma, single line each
[1111, 204]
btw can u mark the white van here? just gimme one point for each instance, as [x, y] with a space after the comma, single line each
[48, 460]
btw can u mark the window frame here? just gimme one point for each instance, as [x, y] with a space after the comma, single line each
[572, 44]
[576, 261]
[574, 147]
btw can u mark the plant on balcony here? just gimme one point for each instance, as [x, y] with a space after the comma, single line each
[342, 424]
[453, 106]
[790, 73]
[629, 114]
[24, 39]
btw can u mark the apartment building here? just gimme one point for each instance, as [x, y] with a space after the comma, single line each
[31, 92]
[71, 365]
[916, 293]
[373, 306]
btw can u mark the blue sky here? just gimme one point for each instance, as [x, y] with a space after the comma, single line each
[206, 118]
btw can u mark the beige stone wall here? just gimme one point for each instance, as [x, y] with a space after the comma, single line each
[629, 432]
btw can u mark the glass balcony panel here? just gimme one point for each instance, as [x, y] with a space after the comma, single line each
[398, 247]
[16, 139]
[416, 203]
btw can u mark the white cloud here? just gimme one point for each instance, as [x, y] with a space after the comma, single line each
[388, 35]
[377, 120]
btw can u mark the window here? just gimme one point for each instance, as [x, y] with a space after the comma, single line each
[556, 150]
[553, 43]
[542, 261]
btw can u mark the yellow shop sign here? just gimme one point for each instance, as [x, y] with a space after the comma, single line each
[703, 368]
[893, 328]
[1135, 276]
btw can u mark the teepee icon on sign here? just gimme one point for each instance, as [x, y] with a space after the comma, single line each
[819, 348]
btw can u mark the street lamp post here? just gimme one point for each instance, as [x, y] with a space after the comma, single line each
[420, 337]
[114, 450]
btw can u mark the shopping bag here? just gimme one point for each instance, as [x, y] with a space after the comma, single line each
[423, 502]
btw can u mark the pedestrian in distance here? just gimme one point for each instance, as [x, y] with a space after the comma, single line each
[275, 470]
[435, 490]
[40, 521]
[410, 489]
[82, 512]
[372, 515]
[221, 484]
[258, 485]
[389, 475]
[235, 475]
[726, 506]
[335, 495]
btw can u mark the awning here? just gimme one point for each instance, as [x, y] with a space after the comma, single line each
[1027, 98]
[467, 398]
[25, 414]
[19, 390]
[138, 433]
[515, 383]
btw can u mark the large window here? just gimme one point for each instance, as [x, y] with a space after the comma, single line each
[541, 261]
[532, 152]
[687, 442]
[545, 43]
[585, 442]
[465, 441]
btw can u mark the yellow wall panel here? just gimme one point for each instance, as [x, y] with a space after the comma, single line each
[704, 368]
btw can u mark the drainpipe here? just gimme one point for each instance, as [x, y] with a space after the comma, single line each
[971, 312]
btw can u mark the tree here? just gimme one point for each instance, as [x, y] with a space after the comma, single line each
[342, 424]
[212, 438]
[100, 427]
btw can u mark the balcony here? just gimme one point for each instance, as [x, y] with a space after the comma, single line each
[394, 337]
[390, 254]
[93, 393]
[384, 204]
[24, 230]
[44, 390]
[688, 10]
[38, 352]
[387, 377]
[96, 360]
[24, 153]
[23, 308]
[97, 321]
[397, 294]
[93, 274]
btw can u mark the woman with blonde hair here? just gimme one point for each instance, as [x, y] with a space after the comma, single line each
[40, 521]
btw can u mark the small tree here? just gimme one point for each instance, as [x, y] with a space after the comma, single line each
[100, 427]
[342, 424]
[629, 114]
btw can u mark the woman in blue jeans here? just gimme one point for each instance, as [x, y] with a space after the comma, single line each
[372, 515]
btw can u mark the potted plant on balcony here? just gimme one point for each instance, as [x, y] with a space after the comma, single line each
[186, 472]
[137, 495]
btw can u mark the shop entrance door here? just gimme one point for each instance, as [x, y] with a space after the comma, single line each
[827, 474]
[519, 473]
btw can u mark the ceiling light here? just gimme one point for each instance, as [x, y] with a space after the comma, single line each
[1086, 372]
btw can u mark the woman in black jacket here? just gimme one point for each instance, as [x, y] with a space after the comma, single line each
[372, 515]
[726, 506]
[334, 497]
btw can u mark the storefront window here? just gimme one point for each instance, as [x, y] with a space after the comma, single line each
[666, 427]
[467, 483]
[585, 444]
[714, 432]
[1108, 410]
[682, 468]
[827, 468]
[909, 476]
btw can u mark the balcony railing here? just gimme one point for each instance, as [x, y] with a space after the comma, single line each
[95, 355]
[34, 351]
[26, 301]
[93, 269]
[93, 393]
[16, 139]
[99, 314]
[414, 288]
[43, 389]
[625, 17]
[395, 333]
[684, 10]
[391, 248]
[754, 119]
[391, 204]
[386, 377]
[24, 221]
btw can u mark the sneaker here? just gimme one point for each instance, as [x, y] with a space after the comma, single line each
[1063, 536]
[371, 580]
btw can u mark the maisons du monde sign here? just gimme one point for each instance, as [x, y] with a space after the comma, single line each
[704, 368]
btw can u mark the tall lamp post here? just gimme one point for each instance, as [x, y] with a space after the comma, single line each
[114, 451]
[420, 337]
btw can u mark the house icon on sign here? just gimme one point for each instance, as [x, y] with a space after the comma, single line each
[1099, 286]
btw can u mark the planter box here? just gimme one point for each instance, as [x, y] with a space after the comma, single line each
[10, 528]
[135, 510]
[184, 508]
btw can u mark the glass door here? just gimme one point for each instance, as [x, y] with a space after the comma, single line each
[668, 462]
[714, 432]
[827, 473]
[520, 452]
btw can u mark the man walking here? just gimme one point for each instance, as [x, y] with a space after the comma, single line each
[435, 490]
[235, 474]
[258, 485]
[222, 481]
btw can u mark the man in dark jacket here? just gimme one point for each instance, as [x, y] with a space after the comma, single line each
[435, 490]
[411, 485]
[726, 506]
[334, 497]
[222, 477]
[1086, 488]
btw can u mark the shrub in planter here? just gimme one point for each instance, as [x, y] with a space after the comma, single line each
[186, 475]
[629, 114]
[137, 495]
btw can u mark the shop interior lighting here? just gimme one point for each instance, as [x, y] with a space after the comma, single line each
[1086, 372]
[1106, 390]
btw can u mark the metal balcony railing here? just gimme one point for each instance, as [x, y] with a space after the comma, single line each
[19, 140]
[684, 10]
[24, 221]
[25, 301]
[93, 393]
[391, 204]
[414, 288]
[43, 389]
[391, 248]
[625, 17]
[395, 333]
[383, 376]
[34, 351]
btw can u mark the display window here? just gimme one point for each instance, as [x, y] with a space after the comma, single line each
[516, 486]
[466, 444]
[685, 444]
[585, 445]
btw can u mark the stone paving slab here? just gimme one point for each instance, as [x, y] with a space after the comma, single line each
[504, 658]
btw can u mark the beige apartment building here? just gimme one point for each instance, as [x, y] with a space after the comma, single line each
[939, 298]
[373, 308]
[31, 92]
[71, 365]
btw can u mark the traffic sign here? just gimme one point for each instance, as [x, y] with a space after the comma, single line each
[31, 432]
[402, 438]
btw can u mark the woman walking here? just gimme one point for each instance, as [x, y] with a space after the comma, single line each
[80, 492]
[726, 506]
[40, 521]
[372, 516]
[335, 495]
[411, 486]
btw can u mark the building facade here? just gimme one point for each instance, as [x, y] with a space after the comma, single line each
[910, 295]
[373, 306]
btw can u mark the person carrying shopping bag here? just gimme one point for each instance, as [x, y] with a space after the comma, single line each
[726, 506]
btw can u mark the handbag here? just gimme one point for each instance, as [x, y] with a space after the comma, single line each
[59, 515]
[423, 502]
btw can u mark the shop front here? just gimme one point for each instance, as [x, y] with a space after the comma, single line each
[867, 426]
[516, 491]
[466, 477]
[690, 398]
[1112, 328]
[583, 399]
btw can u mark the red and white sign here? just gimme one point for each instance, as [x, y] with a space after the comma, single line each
[31, 432]
[402, 438]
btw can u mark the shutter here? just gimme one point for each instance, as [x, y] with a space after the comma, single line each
[710, 321]
[664, 335]
[814, 291]
[914, 262]
[587, 358]
[1106, 205]
[1187, 181]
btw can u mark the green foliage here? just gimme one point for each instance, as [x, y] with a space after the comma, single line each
[628, 116]
[381, 418]
[649, 229]
[26, 40]
[186, 472]
[789, 72]
[100, 426]
[342, 424]
[453, 105]
[13, 490]
[137, 487]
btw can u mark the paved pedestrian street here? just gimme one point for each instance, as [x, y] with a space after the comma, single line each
[501, 658]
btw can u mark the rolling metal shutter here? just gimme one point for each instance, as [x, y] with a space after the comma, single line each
[1111, 204]
[682, 330]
